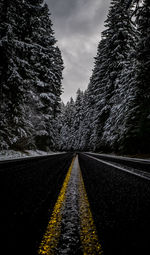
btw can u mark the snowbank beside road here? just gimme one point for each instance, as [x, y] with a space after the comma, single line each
[11, 154]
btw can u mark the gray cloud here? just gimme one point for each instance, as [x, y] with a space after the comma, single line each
[78, 25]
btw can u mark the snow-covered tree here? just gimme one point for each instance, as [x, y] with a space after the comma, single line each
[97, 94]
[67, 132]
[120, 35]
[105, 89]
[48, 65]
[72, 116]
[114, 112]
[119, 84]
[15, 70]
[30, 75]
[78, 119]
[85, 127]
[137, 122]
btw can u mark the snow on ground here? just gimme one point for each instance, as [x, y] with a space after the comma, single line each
[11, 154]
[136, 156]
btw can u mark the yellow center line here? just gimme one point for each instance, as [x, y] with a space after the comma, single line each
[51, 237]
[88, 233]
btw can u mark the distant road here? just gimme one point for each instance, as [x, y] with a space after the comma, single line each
[60, 204]
[134, 166]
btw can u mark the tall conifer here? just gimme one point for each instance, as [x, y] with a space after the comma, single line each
[30, 75]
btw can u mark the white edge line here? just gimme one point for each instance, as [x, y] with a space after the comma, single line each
[121, 157]
[120, 168]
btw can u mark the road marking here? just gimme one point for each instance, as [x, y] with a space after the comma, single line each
[88, 233]
[140, 160]
[142, 174]
[51, 238]
[87, 230]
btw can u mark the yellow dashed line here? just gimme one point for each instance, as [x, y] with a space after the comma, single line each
[51, 238]
[88, 235]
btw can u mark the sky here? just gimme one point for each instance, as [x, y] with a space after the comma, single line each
[78, 25]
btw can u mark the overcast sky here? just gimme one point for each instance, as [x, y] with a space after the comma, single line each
[78, 25]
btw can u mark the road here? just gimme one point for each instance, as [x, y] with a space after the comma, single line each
[89, 204]
[120, 203]
[28, 192]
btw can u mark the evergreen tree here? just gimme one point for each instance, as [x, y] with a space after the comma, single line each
[72, 123]
[14, 71]
[120, 82]
[104, 85]
[114, 113]
[48, 65]
[78, 118]
[85, 127]
[137, 123]
[59, 123]
[97, 90]
[31, 75]
[67, 133]
[121, 34]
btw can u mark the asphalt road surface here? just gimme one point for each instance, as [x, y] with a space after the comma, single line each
[120, 204]
[62, 204]
[28, 191]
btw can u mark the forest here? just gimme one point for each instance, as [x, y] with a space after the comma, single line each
[111, 115]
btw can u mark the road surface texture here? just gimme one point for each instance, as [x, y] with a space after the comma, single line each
[132, 163]
[53, 205]
[28, 191]
[71, 228]
[120, 204]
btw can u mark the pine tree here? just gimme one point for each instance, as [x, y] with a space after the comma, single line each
[67, 132]
[14, 68]
[3, 64]
[59, 123]
[85, 128]
[78, 118]
[30, 75]
[137, 123]
[143, 75]
[48, 65]
[97, 90]
[72, 118]
[121, 34]
[120, 83]
[109, 63]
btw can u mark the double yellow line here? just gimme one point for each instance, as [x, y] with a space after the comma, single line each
[88, 236]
